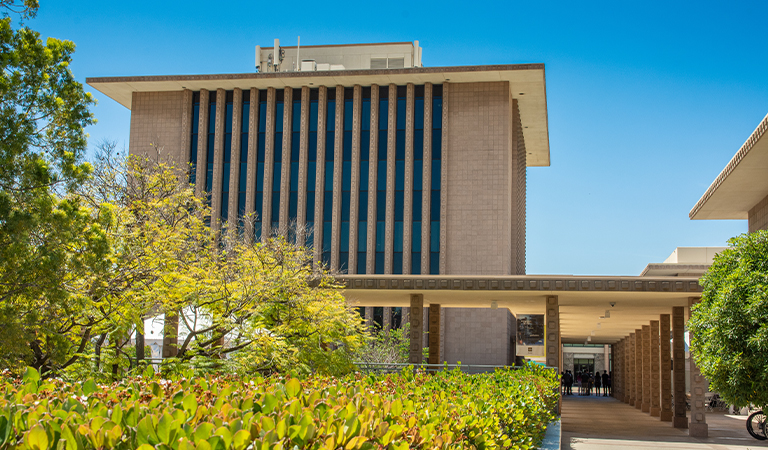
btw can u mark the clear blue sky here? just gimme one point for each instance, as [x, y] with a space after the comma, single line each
[648, 100]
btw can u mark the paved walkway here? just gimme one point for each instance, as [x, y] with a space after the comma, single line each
[603, 423]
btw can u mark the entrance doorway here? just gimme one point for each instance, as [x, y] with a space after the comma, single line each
[584, 365]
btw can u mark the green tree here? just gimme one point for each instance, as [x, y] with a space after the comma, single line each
[730, 325]
[45, 234]
[245, 305]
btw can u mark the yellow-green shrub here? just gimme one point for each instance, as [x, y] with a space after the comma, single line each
[447, 410]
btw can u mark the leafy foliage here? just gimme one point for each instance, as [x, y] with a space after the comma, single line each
[45, 235]
[730, 325]
[241, 305]
[390, 346]
[448, 410]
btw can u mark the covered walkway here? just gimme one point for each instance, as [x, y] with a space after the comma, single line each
[603, 423]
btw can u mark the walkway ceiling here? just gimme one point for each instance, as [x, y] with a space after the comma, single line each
[583, 300]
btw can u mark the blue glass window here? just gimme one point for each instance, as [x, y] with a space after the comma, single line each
[311, 166]
[362, 209]
[399, 210]
[293, 197]
[243, 175]
[211, 144]
[418, 176]
[227, 156]
[330, 128]
[278, 159]
[194, 138]
[260, 149]
[434, 214]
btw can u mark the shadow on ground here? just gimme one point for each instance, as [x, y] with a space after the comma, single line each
[606, 423]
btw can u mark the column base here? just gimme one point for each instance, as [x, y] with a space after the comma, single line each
[680, 422]
[655, 411]
[666, 416]
[698, 430]
[645, 407]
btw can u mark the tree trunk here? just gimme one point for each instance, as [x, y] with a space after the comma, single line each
[171, 335]
[140, 345]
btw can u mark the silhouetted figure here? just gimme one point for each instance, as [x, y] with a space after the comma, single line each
[597, 383]
[606, 384]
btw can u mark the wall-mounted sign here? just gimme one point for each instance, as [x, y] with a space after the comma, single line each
[530, 335]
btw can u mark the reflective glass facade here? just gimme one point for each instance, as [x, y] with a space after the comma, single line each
[330, 135]
[211, 141]
[311, 166]
[434, 209]
[346, 179]
[194, 137]
[362, 209]
[293, 197]
[418, 177]
[328, 164]
[381, 180]
[226, 172]
[258, 207]
[242, 175]
[277, 171]
[400, 116]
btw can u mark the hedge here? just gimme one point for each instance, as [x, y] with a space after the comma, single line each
[447, 410]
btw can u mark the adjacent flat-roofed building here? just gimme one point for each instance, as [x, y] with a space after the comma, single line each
[741, 189]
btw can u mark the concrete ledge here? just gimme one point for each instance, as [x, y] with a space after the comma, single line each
[552, 437]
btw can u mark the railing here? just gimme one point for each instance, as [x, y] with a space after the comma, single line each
[397, 367]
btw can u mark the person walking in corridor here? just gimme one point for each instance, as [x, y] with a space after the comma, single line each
[606, 384]
[597, 383]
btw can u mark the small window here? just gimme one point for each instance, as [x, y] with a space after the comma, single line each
[396, 63]
[378, 63]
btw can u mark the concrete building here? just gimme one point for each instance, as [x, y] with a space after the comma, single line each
[411, 182]
[394, 171]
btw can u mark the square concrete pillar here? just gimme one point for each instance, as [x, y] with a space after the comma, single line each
[666, 368]
[632, 366]
[655, 370]
[417, 328]
[645, 406]
[639, 369]
[625, 375]
[171, 335]
[434, 334]
[552, 340]
[369, 317]
[614, 370]
[699, 386]
[678, 366]
[387, 319]
[618, 371]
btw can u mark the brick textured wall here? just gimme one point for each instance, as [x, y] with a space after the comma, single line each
[156, 118]
[486, 182]
[477, 335]
[519, 185]
[758, 216]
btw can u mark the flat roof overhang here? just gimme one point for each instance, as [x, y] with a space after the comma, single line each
[582, 300]
[741, 185]
[526, 82]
